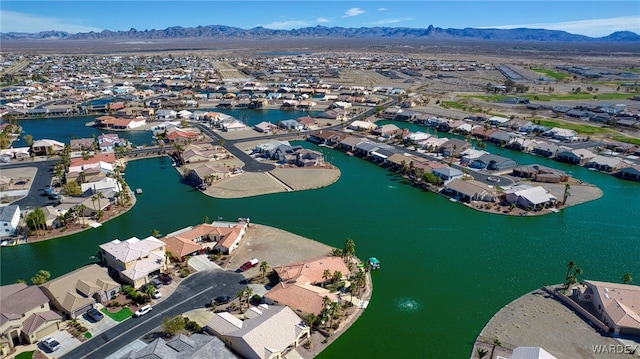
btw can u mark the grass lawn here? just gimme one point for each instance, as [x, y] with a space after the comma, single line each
[552, 74]
[24, 355]
[87, 335]
[583, 129]
[558, 97]
[635, 141]
[119, 316]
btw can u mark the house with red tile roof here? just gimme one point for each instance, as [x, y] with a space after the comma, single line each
[299, 286]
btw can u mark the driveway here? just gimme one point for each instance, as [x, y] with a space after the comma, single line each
[202, 263]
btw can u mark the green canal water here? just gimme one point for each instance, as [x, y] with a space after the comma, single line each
[446, 269]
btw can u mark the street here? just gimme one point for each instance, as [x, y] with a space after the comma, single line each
[194, 292]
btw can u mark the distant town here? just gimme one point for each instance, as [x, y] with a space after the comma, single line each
[450, 126]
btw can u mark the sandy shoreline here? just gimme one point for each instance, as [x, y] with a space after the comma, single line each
[538, 319]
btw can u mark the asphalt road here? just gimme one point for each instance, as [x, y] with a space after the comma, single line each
[35, 197]
[194, 292]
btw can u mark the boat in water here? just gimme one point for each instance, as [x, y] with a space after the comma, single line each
[374, 263]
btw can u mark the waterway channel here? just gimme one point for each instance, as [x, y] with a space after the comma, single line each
[446, 269]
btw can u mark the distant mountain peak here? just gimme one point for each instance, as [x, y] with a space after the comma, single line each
[319, 31]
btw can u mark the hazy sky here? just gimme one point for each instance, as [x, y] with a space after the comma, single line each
[591, 18]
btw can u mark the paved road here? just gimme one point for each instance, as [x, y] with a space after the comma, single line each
[194, 292]
[35, 197]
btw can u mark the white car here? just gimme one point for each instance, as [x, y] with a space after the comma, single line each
[142, 311]
[51, 344]
[157, 295]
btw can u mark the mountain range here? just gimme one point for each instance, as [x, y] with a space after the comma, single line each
[431, 32]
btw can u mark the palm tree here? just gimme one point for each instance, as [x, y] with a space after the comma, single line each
[566, 194]
[326, 275]
[571, 265]
[626, 278]
[334, 307]
[337, 275]
[264, 267]
[311, 319]
[248, 292]
[155, 233]
[240, 295]
[349, 249]
[100, 196]
[482, 353]
[93, 200]
[80, 211]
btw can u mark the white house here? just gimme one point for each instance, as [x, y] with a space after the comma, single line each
[447, 173]
[529, 197]
[9, 219]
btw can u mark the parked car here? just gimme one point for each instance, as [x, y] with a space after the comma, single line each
[157, 294]
[95, 314]
[249, 264]
[156, 282]
[221, 299]
[142, 311]
[165, 278]
[51, 344]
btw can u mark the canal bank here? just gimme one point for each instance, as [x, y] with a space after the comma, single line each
[447, 268]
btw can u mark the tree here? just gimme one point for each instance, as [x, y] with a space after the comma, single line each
[100, 196]
[567, 193]
[72, 188]
[36, 220]
[80, 210]
[40, 277]
[155, 233]
[626, 278]
[240, 295]
[571, 265]
[248, 292]
[311, 319]
[337, 275]
[481, 353]
[326, 275]
[349, 249]
[264, 267]
[28, 139]
[172, 326]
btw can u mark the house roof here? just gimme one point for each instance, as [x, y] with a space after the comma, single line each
[68, 290]
[180, 247]
[303, 297]
[272, 332]
[531, 353]
[183, 347]
[98, 157]
[37, 320]
[612, 162]
[18, 300]
[132, 249]
[311, 270]
[7, 213]
[620, 301]
[532, 194]
[465, 187]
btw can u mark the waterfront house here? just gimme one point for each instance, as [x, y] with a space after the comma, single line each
[453, 147]
[630, 173]
[108, 141]
[193, 346]
[76, 292]
[9, 219]
[471, 154]
[468, 191]
[183, 136]
[25, 315]
[605, 163]
[390, 112]
[291, 125]
[82, 144]
[101, 161]
[387, 130]
[46, 147]
[616, 305]
[135, 260]
[180, 247]
[493, 162]
[299, 284]
[269, 331]
[308, 158]
[362, 125]
[434, 144]
[447, 174]
[307, 121]
[522, 144]
[529, 197]
[539, 173]
[327, 137]
[576, 156]
[102, 184]
[482, 132]
[206, 174]
[547, 149]
[202, 152]
[162, 115]
[398, 162]
[349, 143]
[500, 137]
[265, 127]
[417, 137]
[228, 235]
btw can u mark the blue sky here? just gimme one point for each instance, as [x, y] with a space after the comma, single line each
[591, 18]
